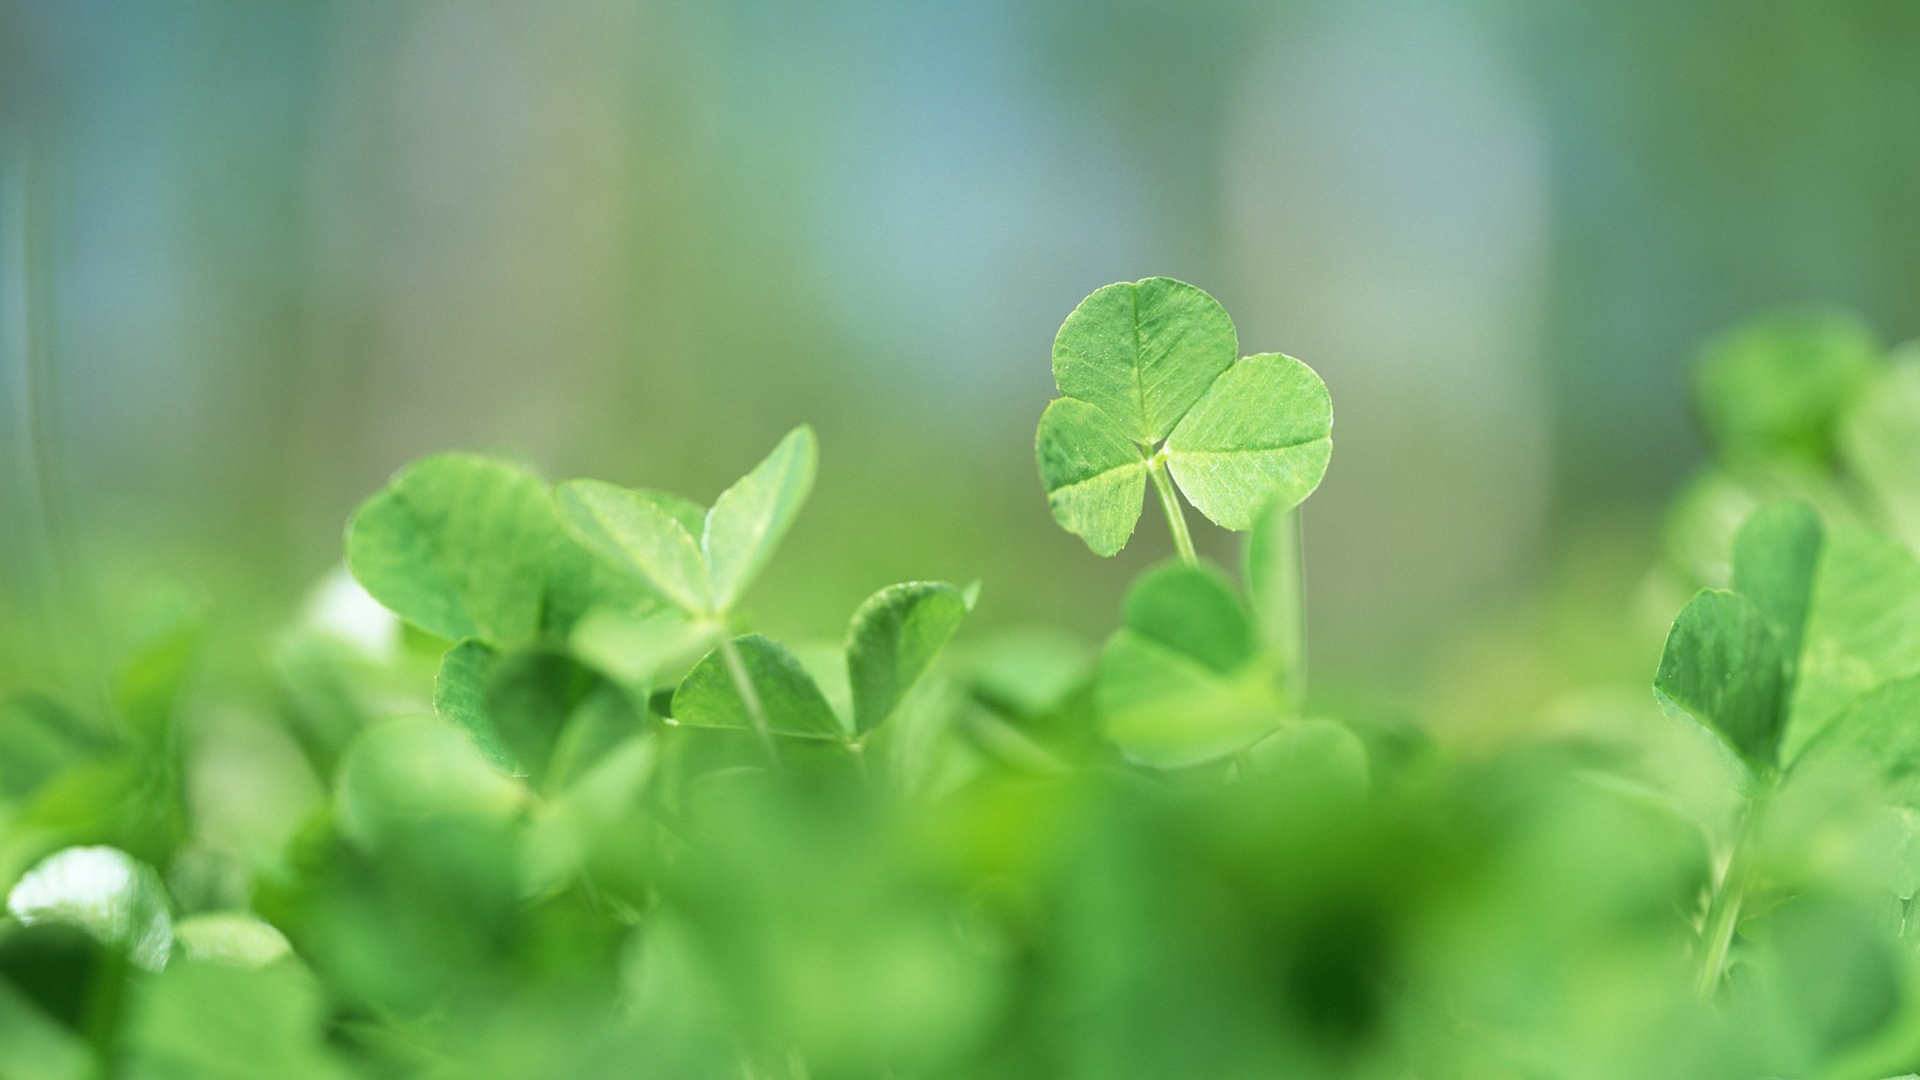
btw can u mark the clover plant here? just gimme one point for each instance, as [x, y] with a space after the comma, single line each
[551, 804]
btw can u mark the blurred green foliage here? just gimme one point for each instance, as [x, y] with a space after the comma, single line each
[519, 826]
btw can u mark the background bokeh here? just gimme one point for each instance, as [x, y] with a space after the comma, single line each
[254, 257]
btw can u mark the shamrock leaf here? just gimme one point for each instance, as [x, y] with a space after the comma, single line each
[699, 561]
[1151, 390]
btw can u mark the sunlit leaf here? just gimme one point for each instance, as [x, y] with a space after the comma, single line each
[1096, 478]
[1260, 437]
[1143, 352]
[104, 891]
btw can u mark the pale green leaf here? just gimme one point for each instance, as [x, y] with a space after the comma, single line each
[749, 519]
[1863, 628]
[401, 772]
[1165, 709]
[1192, 610]
[894, 636]
[1880, 734]
[1880, 440]
[1776, 388]
[1723, 665]
[1143, 353]
[233, 938]
[633, 531]
[642, 651]
[1176, 686]
[1096, 478]
[786, 695]
[1260, 437]
[458, 545]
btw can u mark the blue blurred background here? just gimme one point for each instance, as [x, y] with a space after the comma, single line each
[255, 256]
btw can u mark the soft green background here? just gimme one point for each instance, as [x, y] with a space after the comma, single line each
[264, 254]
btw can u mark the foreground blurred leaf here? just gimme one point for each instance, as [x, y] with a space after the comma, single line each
[1881, 443]
[1176, 685]
[106, 892]
[412, 769]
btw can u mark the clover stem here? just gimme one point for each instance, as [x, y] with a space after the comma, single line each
[750, 697]
[1176, 518]
[1290, 601]
[1723, 910]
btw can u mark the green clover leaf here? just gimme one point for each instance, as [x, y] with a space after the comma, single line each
[1151, 390]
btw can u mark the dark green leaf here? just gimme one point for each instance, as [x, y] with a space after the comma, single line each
[1723, 665]
[1194, 611]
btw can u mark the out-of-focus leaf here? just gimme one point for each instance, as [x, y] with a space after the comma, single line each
[1143, 352]
[750, 518]
[39, 738]
[1723, 666]
[210, 1021]
[412, 769]
[1880, 441]
[1261, 437]
[1176, 686]
[458, 545]
[1096, 478]
[1323, 752]
[642, 651]
[1775, 557]
[787, 696]
[1776, 388]
[34, 1046]
[1191, 610]
[233, 938]
[1863, 628]
[894, 636]
[1026, 671]
[104, 891]
[1879, 734]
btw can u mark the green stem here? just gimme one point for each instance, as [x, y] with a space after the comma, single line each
[750, 697]
[1176, 518]
[1723, 910]
[1290, 605]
